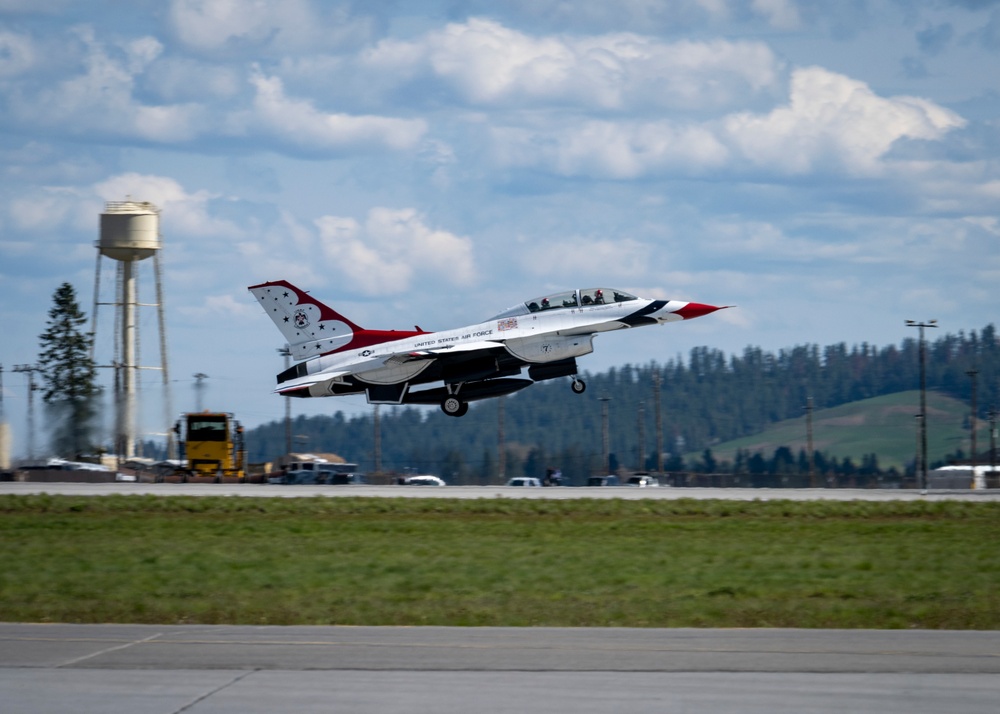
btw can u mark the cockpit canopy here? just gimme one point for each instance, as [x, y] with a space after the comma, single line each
[586, 297]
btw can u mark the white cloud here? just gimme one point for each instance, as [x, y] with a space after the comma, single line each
[834, 121]
[17, 54]
[570, 261]
[603, 149]
[43, 211]
[100, 100]
[487, 63]
[179, 79]
[831, 123]
[299, 123]
[781, 14]
[393, 249]
[181, 212]
[254, 25]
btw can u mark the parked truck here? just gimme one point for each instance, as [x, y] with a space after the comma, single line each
[211, 446]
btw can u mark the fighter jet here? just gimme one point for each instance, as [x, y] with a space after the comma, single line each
[544, 334]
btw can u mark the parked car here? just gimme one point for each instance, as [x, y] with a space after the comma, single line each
[424, 481]
[602, 481]
[643, 481]
[337, 478]
[296, 476]
[524, 481]
[300, 476]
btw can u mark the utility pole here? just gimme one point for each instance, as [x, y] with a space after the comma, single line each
[809, 441]
[642, 436]
[972, 421]
[30, 370]
[377, 425]
[659, 423]
[199, 388]
[923, 399]
[286, 352]
[993, 440]
[4, 430]
[501, 442]
[605, 435]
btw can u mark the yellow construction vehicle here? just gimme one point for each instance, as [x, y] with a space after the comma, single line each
[211, 444]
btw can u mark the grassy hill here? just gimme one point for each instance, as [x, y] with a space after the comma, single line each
[885, 426]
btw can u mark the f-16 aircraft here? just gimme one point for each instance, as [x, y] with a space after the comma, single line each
[544, 334]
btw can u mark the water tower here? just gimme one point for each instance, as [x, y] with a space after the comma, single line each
[130, 233]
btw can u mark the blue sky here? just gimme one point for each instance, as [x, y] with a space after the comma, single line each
[831, 168]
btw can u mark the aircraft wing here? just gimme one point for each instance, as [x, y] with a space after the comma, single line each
[392, 368]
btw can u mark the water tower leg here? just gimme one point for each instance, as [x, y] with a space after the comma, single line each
[128, 358]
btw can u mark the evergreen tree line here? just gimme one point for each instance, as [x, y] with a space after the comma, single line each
[703, 400]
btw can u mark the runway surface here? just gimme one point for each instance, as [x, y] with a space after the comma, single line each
[224, 670]
[467, 492]
[195, 669]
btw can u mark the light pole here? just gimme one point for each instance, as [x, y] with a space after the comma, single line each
[923, 400]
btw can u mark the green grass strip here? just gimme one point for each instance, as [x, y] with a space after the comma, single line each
[500, 562]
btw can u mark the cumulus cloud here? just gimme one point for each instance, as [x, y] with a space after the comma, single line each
[180, 79]
[781, 14]
[239, 26]
[45, 210]
[578, 259]
[830, 124]
[392, 250]
[833, 120]
[17, 53]
[486, 63]
[623, 150]
[110, 99]
[182, 211]
[100, 101]
[298, 123]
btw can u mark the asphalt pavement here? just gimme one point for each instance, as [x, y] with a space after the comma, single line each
[467, 492]
[199, 669]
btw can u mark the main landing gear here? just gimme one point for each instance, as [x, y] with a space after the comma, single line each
[453, 406]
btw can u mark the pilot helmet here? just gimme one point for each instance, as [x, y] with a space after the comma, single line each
[600, 293]
[545, 301]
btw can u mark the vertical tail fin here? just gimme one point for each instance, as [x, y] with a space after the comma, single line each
[309, 326]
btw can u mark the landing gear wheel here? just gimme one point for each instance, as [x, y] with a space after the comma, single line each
[453, 406]
[578, 386]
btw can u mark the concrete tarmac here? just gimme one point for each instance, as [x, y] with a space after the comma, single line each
[198, 669]
[251, 490]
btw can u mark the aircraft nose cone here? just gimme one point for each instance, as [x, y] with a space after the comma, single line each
[697, 309]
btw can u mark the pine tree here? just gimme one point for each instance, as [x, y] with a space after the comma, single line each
[69, 386]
